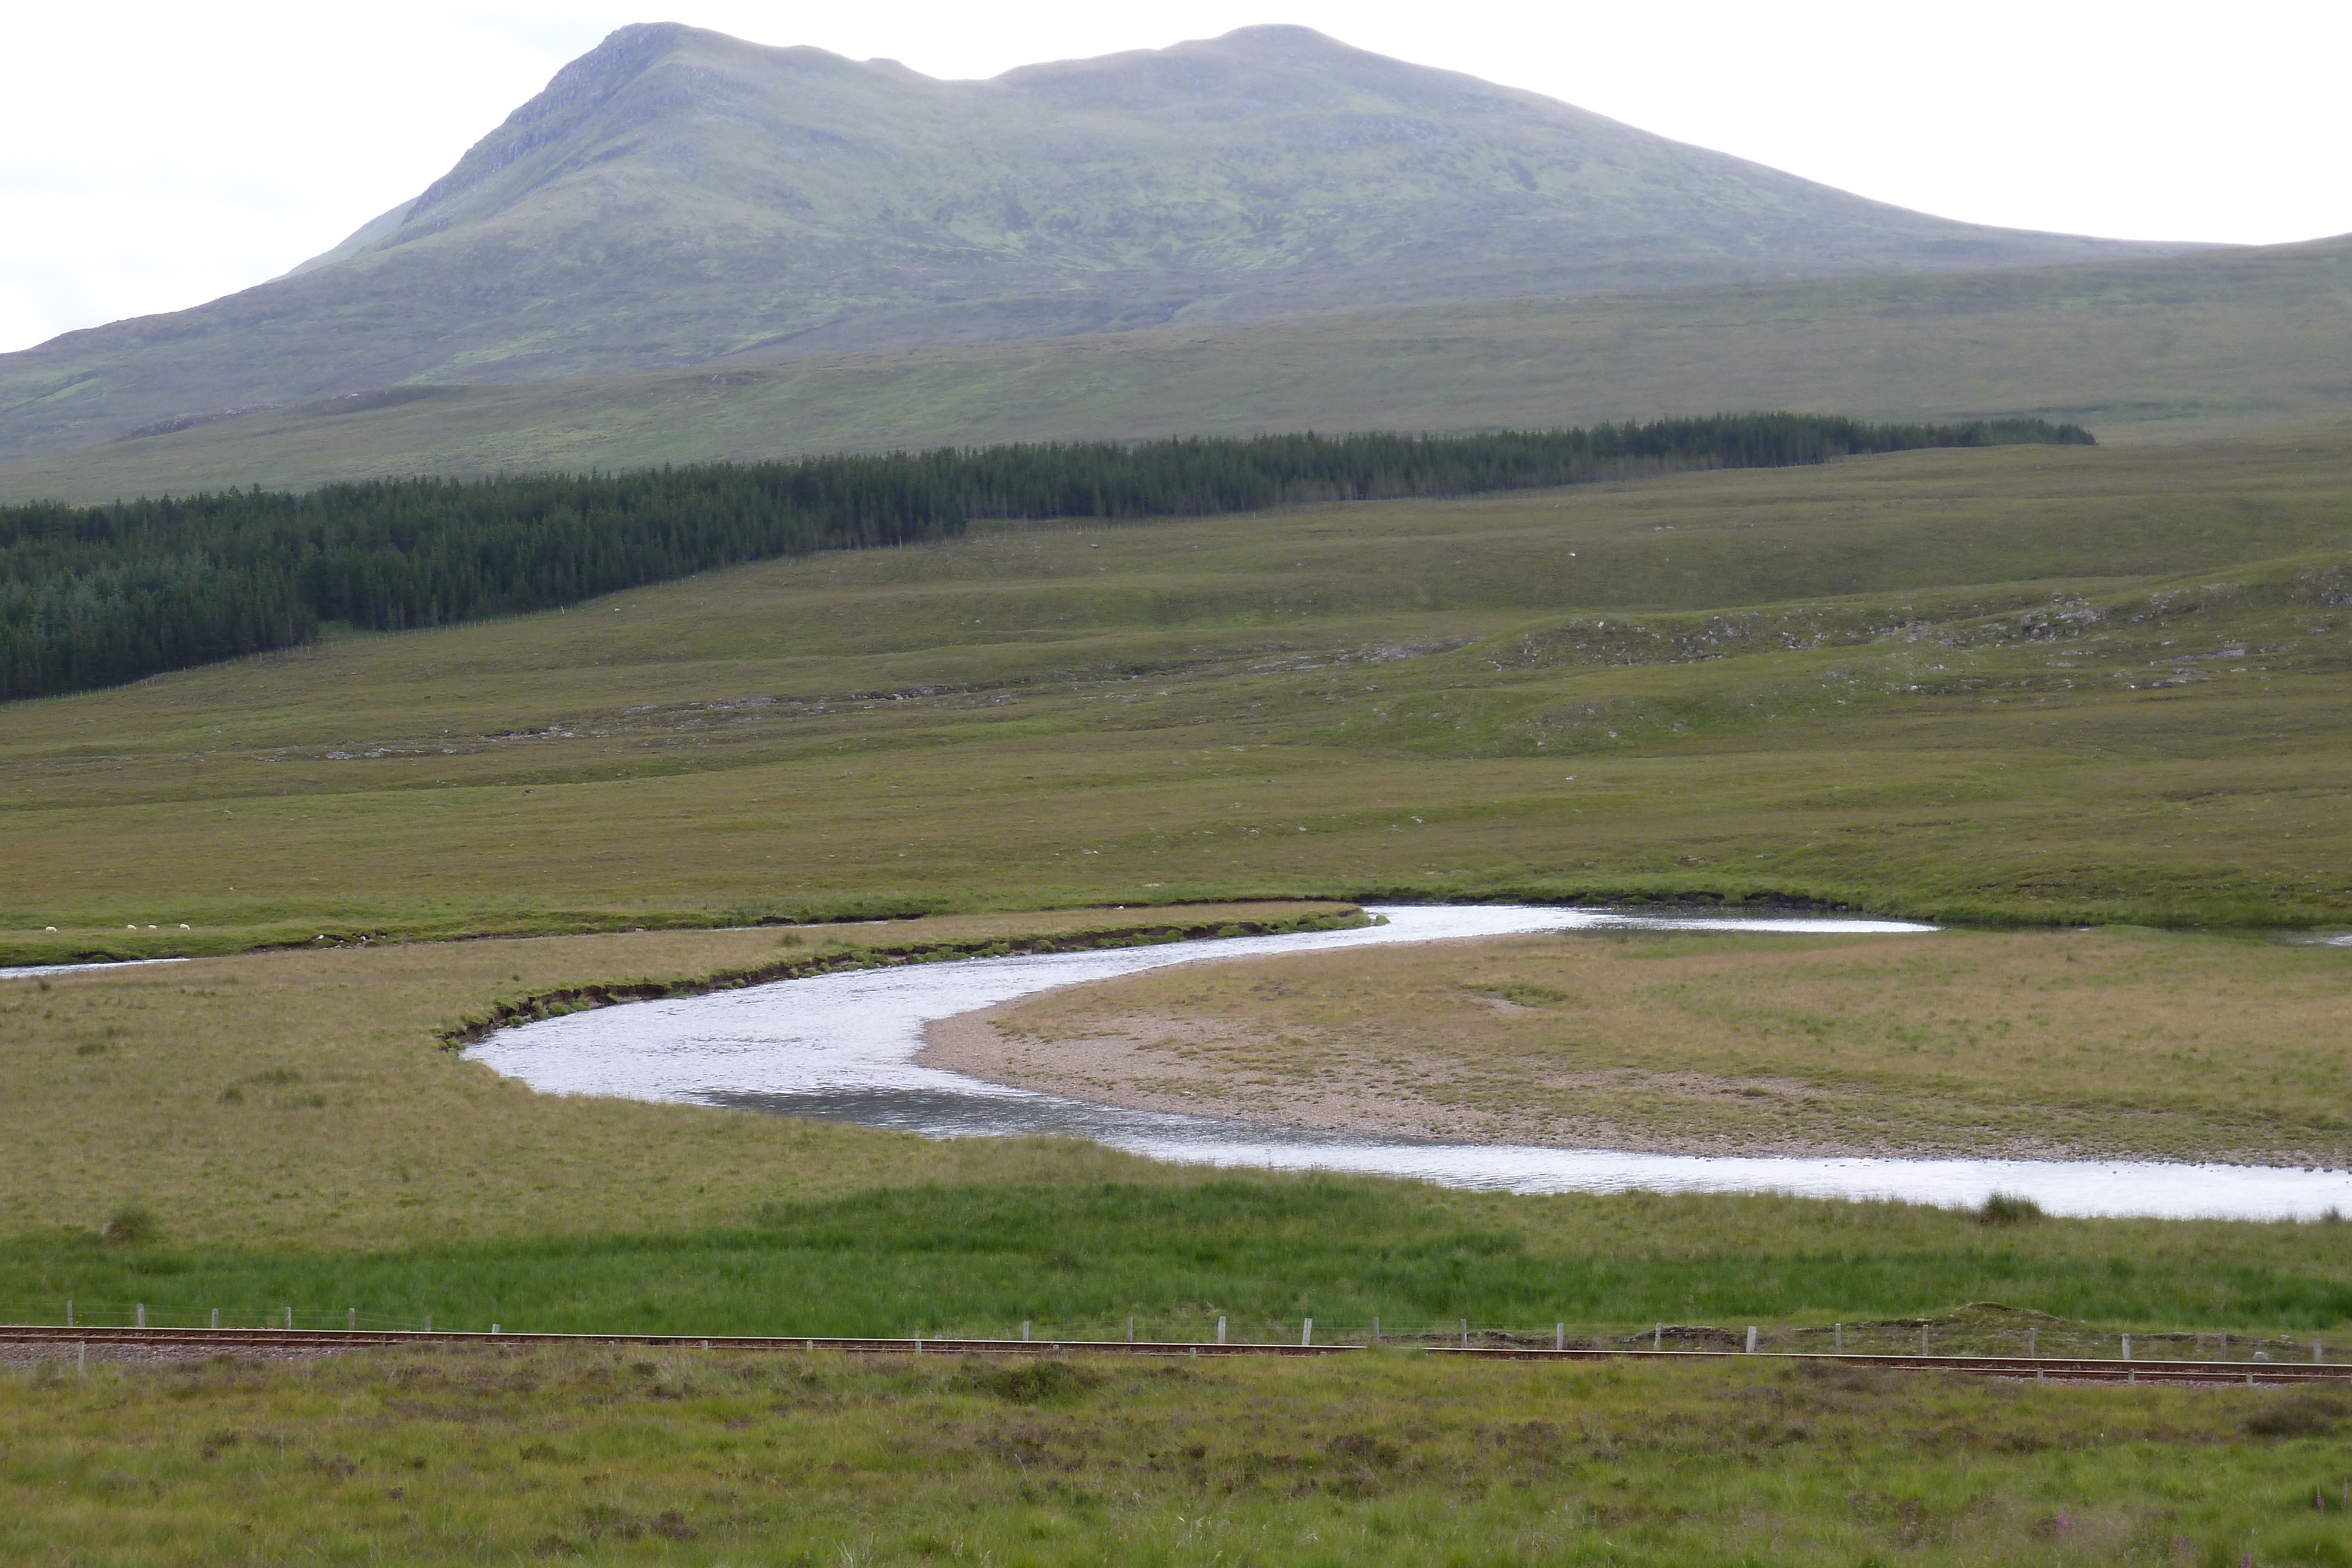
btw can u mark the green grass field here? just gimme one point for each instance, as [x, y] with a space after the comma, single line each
[1174, 1251]
[684, 1457]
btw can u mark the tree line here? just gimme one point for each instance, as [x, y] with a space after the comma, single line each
[93, 596]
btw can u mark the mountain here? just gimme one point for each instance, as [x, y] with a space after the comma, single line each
[2194, 345]
[676, 196]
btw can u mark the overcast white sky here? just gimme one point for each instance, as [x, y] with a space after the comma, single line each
[156, 155]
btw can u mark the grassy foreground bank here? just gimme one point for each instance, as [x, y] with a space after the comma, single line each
[689, 1458]
[1179, 1250]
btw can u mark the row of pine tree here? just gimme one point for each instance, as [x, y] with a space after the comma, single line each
[94, 596]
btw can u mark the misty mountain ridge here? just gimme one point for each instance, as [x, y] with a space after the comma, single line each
[677, 197]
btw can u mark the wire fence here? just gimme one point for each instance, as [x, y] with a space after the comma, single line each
[2004, 1335]
[81, 1312]
[1975, 1332]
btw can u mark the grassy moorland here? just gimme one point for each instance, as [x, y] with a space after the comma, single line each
[2034, 1045]
[2044, 686]
[684, 1457]
[2042, 683]
[2217, 342]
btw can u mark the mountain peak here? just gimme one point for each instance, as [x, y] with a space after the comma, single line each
[1269, 38]
[676, 196]
[1246, 64]
[559, 109]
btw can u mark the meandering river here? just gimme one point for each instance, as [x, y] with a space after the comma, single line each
[843, 1046]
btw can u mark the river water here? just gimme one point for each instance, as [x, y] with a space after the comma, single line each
[34, 971]
[843, 1047]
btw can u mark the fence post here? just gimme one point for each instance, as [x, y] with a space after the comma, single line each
[1024, 1331]
[1751, 1339]
[494, 1328]
[81, 1359]
[351, 1319]
[2318, 1351]
[215, 1317]
[1375, 1330]
[428, 1322]
[2126, 1347]
[1559, 1336]
[1131, 1328]
[1658, 1337]
[70, 1322]
[1923, 1339]
[1306, 1334]
[1220, 1328]
[289, 1317]
[2034, 1342]
[1465, 1334]
[142, 1314]
[1837, 1339]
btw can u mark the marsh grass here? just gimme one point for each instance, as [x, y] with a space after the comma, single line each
[132, 1225]
[2009, 1208]
[2025, 1044]
[681, 1455]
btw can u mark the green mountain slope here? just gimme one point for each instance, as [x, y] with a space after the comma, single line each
[677, 196]
[2175, 346]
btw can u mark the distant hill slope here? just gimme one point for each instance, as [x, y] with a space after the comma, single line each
[2220, 340]
[677, 196]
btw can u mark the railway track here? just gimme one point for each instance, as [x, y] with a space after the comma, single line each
[2038, 1369]
[358, 1339]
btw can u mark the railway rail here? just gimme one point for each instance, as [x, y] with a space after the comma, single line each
[2038, 1369]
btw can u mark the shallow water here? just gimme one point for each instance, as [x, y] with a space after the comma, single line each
[843, 1047]
[34, 971]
